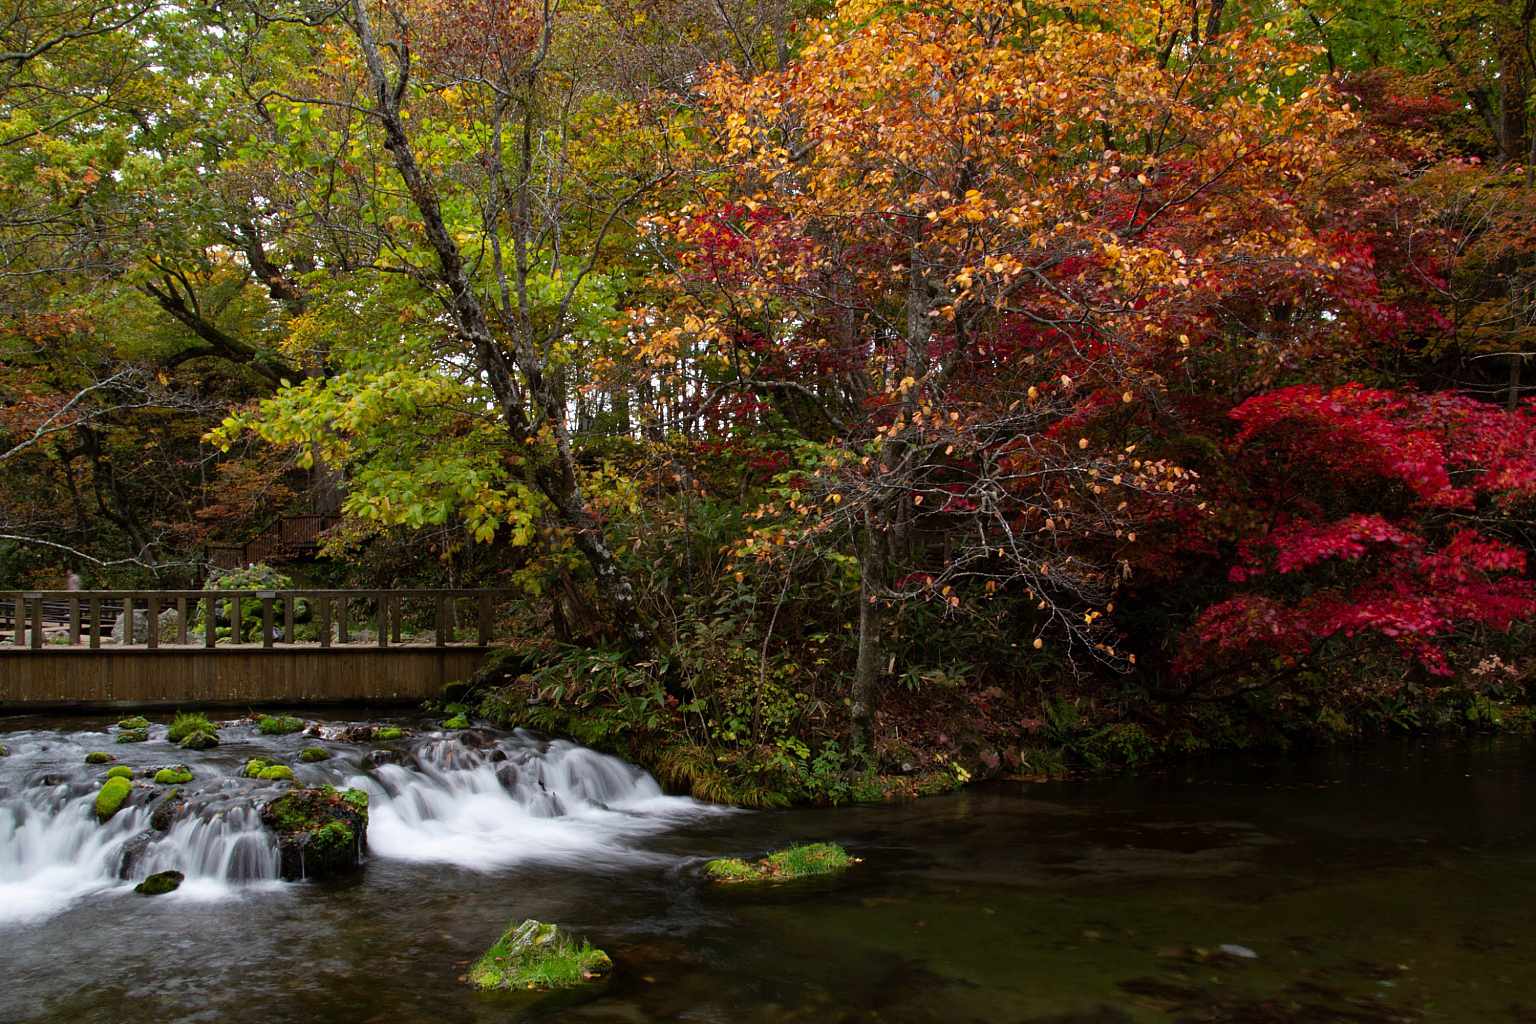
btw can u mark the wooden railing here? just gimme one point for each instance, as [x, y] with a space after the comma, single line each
[87, 617]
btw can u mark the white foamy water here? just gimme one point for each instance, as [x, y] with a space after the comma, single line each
[475, 801]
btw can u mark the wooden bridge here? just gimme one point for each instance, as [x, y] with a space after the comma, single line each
[62, 649]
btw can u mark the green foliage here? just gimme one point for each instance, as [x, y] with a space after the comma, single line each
[798, 861]
[386, 733]
[535, 955]
[458, 721]
[133, 736]
[280, 725]
[177, 776]
[186, 724]
[276, 773]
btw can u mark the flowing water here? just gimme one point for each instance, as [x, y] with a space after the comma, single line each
[1391, 884]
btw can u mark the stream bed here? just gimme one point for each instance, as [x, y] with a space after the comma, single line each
[1391, 883]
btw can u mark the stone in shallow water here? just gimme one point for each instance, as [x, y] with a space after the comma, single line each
[160, 883]
[536, 955]
[321, 833]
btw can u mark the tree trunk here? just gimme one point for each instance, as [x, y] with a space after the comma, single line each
[1513, 85]
[866, 677]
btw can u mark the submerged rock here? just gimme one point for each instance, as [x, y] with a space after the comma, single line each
[199, 741]
[537, 955]
[378, 758]
[133, 736]
[321, 833]
[309, 755]
[167, 810]
[160, 883]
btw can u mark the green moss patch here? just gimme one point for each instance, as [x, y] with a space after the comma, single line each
[276, 773]
[110, 800]
[160, 883]
[309, 755]
[5, 751]
[177, 776]
[535, 955]
[389, 732]
[134, 724]
[199, 741]
[120, 771]
[133, 736]
[190, 724]
[321, 832]
[799, 861]
[458, 721]
[278, 725]
[97, 757]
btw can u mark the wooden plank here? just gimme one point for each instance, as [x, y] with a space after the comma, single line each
[325, 621]
[152, 622]
[74, 622]
[442, 621]
[37, 621]
[210, 620]
[94, 611]
[181, 621]
[485, 620]
[341, 619]
[288, 634]
[394, 618]
[382, 615]
[236, 624]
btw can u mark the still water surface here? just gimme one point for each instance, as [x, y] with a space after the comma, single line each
[1396, 883]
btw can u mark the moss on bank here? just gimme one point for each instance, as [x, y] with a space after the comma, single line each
[804, 860]
[278, 725]
[536, 955]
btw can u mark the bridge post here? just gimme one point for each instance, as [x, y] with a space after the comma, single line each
[181, 621]
[74, 621]
[210, 619]
[37, 621]
[236, 621]
[266, 619]
[341, 620]
[152, 622]
[442, 623]
[325, 621]
[394, 618]
[383, 618]
[288, 603]
[93, 609]
[485, 620]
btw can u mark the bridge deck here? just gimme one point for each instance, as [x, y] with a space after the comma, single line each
[265, 647]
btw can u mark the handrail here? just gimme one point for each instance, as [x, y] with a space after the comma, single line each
[281, 610]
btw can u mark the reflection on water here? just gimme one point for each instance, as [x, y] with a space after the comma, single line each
[1388, 885]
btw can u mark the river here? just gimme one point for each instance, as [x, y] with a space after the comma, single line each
[1384, 884]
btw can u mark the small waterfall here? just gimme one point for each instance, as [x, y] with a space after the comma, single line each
[474, 799]
[515, 799]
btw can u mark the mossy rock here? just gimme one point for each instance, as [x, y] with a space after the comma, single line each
[178, 776]
[309, 755]
[276, 773]
[5, 751]
[321, 832]
[119, 771]
[112, 797]
[188, 724]
[133, 736]
[388, 732]
[253, 768]
[199, 741]
[167, 811]
[134, 724]
[458, 721]
[278, 725]
[535, 955]
[160, 883]
[99, 757]
[800, 861]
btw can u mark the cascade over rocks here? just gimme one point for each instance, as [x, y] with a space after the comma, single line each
[321, 833]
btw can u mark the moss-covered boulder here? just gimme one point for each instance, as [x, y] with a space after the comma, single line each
[177, 776]
[278, 725]
[168, 810]
[189, 724]
[321, 832]
[800, 861]
[160, 883]
[119, 771]
[386, 733]
[458, 721]
[276, 773]
[98, 757]
[134, 724]
[309, 755]
[114, 793]
[133, 736]
[199, 741]
[5, 751]
[536, 955]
